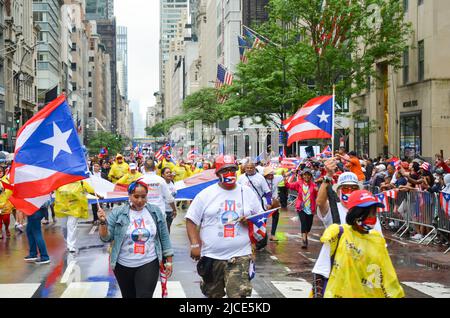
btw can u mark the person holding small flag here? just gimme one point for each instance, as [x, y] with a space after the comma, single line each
[219, 235]
[141, 248]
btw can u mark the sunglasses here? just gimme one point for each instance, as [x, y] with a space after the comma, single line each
[348, 189]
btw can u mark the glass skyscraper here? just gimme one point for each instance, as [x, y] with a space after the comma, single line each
[99, 9]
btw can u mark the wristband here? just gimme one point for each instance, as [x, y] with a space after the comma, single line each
[195, 245]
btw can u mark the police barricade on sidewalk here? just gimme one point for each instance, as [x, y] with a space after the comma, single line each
[421, 212]
[442, 218]
[398, 212]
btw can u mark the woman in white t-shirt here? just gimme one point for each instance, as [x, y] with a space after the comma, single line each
[141, 243]
[167, 175]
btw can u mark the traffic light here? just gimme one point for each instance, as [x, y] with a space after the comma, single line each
[17, 115]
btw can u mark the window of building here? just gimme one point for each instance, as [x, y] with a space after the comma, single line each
[405, 5]
[74, 66]
[91, 59]
[90, 84]
[74, 86]
[362, 136]
[406, 66]
[219, 50]
[410, 134]
[90, 94]
[90, 115]
[74, 47]
[90, 74]
[419, 2]
[421, 60]
[90, 104]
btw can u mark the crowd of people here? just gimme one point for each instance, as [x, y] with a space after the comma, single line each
[330, 188]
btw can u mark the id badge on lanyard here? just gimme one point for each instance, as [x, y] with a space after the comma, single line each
[139, 244]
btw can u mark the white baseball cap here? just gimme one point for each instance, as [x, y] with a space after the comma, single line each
[347, 178]
[132, 166]
[381, 167]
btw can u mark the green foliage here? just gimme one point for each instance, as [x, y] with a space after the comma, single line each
[300, 63]
[114, 143]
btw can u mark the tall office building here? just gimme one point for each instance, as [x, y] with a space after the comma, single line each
[99, 9]
[122, 60]
[170, 14]
[47, 15]
[254, 12]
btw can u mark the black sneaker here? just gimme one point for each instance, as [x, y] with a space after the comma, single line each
[41, 261]
[30, 259]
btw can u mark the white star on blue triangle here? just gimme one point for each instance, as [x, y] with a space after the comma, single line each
[322, 116]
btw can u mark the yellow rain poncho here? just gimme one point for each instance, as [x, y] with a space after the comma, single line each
[182, 172]
[362, 266]
[163, 164]
[71, 200]
[128, 178]
[280, 172]
[5, 206]
[118, 170]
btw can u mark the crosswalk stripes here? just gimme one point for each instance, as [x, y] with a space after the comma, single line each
[289, 289]
[431, 289]
[18, 290]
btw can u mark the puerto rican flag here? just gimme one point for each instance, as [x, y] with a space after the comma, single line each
[162, 152]
[391, 194]
[48, 155]
[326, 153]
[445, 203]
[383, 198]
[313, 121]
[192, 154]
[257, 225]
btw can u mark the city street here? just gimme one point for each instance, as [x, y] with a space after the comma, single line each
[282, 270]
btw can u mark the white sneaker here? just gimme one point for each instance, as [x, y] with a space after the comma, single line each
[418, 236]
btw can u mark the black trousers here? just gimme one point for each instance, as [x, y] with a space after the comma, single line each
[275, 217]
[94, 211]
[139, 282]
[283, 195]
[306, 221]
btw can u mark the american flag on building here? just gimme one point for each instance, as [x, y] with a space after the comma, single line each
[223, 76]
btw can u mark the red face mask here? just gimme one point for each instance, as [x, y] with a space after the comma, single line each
[228, 179]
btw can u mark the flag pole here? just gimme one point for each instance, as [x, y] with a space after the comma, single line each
[332, 125]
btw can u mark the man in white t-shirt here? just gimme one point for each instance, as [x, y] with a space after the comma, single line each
[158, 191]
[222, 242]
[257, 183]
[347, 184]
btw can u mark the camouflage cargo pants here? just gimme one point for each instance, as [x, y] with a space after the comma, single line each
[229, 278]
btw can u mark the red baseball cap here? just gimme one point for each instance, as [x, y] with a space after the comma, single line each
[363, 199]
[225, 162]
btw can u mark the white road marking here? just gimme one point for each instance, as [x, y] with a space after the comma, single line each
[434, 290]
[18, 290]
[70, 268]
[174, 289]
[314, 240]
[86, 290]
[315, 234]
[94, 228]
[293, 289]
[274, 258]
[287, 269]
[310, 259]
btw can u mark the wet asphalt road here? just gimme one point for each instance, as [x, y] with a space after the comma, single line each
[283, 268]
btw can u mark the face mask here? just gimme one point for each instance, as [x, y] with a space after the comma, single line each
[368, 224]
[343, 198]
[228, 179]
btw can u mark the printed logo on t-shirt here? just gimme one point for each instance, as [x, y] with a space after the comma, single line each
[228, 218]
[140, 236]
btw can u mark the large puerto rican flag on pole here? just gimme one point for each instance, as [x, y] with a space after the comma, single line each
[313, 121]
[48, 155]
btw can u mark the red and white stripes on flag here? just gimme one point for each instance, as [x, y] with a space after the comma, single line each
[384, 198]
[224, 77]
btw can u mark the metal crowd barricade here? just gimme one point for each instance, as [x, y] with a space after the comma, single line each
[421, 212]
[443, 220]
[398, 211]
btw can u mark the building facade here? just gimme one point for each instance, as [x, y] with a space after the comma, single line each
[47, 15]
[122, 60]
[411, 107]
[99, 9]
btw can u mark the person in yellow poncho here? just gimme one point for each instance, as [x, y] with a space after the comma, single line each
[282, 190]
[165, 163]
[181, 170]
[118, 169]
[5, 208]
[361, 266]
[71, 204]
[131, 176]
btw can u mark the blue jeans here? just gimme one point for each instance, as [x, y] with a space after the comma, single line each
[34, 235]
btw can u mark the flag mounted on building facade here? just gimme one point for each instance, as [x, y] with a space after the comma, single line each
[244, 46]
[254, 40]
[48, 154]
[224, 77]
[312, 121]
